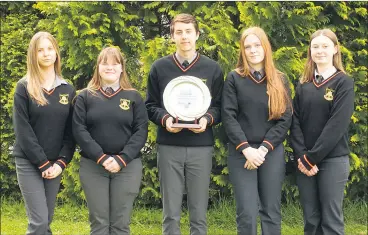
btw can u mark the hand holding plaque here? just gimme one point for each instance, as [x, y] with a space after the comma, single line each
[186, 98]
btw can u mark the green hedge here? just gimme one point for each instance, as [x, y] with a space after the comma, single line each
[141, 30]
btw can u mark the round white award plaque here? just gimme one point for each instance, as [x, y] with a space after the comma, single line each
[186, 98]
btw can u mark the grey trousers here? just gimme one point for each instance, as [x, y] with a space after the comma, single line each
[263, 184]
[39, 196]
[322, 195]
[110, 196]
[184, 169]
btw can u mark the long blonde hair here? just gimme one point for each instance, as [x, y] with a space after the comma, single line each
[278, 98]
[310, 66]
[34, 77]
[105, 54]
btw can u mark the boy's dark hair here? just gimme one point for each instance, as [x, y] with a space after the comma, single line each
[184, 18]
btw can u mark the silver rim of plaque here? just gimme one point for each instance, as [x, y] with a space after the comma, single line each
[187, 98]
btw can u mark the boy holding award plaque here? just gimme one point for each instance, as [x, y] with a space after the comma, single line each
[184, 89]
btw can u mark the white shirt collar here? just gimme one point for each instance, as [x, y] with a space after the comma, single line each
[326, 74]
[115, 86]
[262, 71]
[181, 59]
[57, 82]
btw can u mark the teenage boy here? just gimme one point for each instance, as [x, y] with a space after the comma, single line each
[184, 156]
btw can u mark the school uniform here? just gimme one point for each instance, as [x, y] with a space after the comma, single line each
[245, 118]
[107, 125]
[319, 136]
[43, 136]
[184, 159]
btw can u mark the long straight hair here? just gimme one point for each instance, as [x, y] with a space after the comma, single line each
[278, 98]
[115, 54]
[310, 66]
[33, 76]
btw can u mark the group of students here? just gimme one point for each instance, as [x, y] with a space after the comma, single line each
[109, 121]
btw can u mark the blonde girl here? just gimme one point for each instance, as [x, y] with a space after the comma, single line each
[323, 103]
[43, 137]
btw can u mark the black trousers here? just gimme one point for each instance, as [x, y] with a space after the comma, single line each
[322, 195]
[261, 186]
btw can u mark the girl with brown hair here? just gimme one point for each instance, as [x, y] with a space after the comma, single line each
[44, 143]
[256, 114]
[323, 104]
[110, 124]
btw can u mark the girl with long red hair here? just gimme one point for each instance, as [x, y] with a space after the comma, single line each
[256, 114]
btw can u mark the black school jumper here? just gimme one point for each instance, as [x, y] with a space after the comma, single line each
[110, 125]
[184, 154]
[319, 135]
[245, 118]
[43, 136]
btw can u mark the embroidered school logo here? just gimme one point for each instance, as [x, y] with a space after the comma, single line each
[124, 104]
[64, 98]
[329, 94]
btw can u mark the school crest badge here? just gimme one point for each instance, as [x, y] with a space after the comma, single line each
[329, 94]
[124, 104]
[64, 99]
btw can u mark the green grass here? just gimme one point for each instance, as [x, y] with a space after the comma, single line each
[70, 219]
